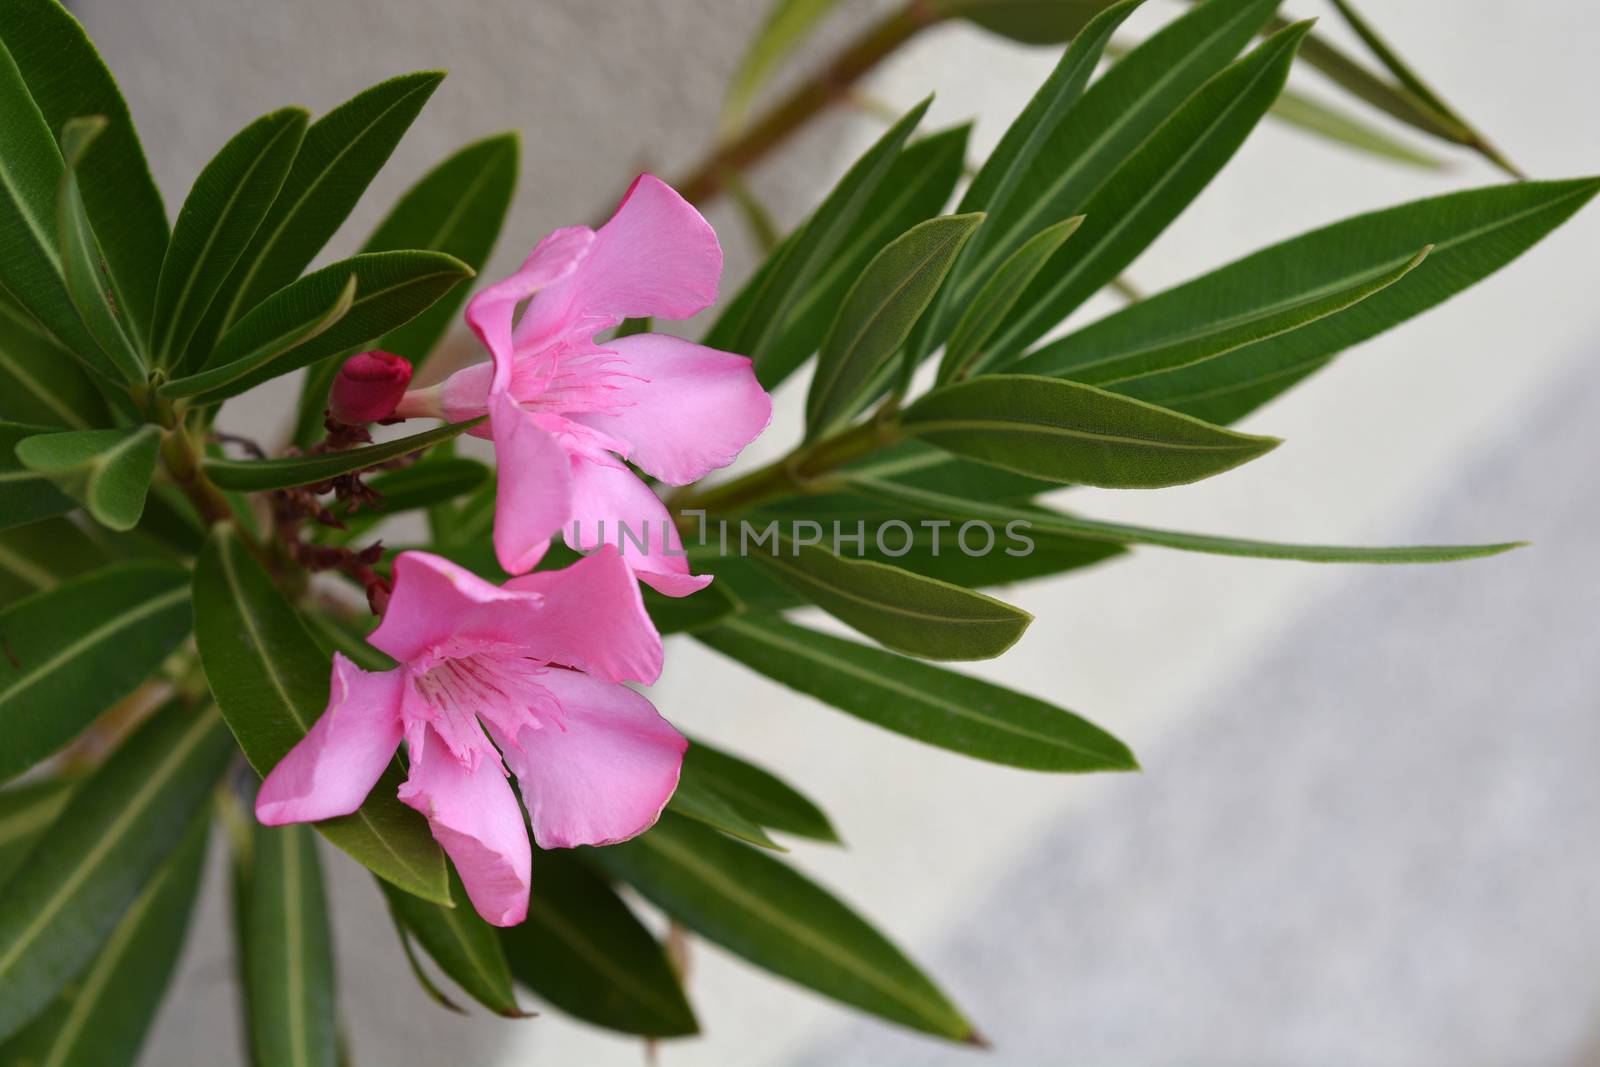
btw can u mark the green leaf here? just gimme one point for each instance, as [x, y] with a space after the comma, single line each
[583, 951]
[26, 812]
[1047, 522]
[915, 463]
[673, 615]
[25, 496]
[1067, 151]
[1326, 121]
[74, 651]
[271, 681]
[788, 25]
[67, 78]
[259, 474]
[44, 554]
[917, 184]
[107, 471]
[103, 1015]
[695, 800]
[461, 943]
[340, 155]
[1024, 21]
[755, 330]
[898, 609]
[1153, 187]
[1069, 358]
[286, 951]
[878, 313]
[757, 907]
[1474, 233]
[307, 320]
[41, 382]
[117, 830]
[921, 701]
[758, 794]
[225, 206]
[964, 353]
[425, 484]
[93, 289]
[1068, 432]
[1009, 168]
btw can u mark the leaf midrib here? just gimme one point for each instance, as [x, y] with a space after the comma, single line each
[95, 636]
[996, 425]
[595, 957]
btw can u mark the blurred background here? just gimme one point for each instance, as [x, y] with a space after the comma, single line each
[1365, 830]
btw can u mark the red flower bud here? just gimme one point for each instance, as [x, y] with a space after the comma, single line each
[369, 386]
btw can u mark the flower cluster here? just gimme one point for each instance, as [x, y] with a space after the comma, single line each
[527, 677]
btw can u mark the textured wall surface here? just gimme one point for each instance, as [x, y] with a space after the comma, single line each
[1364, 831]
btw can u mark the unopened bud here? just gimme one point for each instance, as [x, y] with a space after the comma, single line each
[369, 387]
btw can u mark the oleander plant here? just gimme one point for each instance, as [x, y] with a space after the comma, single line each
[210, 642]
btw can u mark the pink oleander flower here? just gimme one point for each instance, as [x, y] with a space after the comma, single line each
[564, 411]
[369, 387]
[529, 672]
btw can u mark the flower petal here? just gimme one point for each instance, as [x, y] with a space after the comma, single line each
[683, 409]
[438, 605]
[656, 256]
[475, 818]
[534, 496]
[604, 774]
[334, 767]
[594, 619]
[610, 505]
[490, 313]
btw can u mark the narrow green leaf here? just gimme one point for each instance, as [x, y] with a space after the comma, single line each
[25, 496]
[757, 907]
[301, 327]
[301, 323]
[41, 382]
[915, 463]
[117, 830]
[673, 615]
[26, 812]
[67, 78]
[224, 207]
[1042, 521]
[583, 951]
[94, 290]
[103, 1015]
[756, 329]
[1068, 432]
[44, 554]
[1153, 187]
[107, 471]
[420, 973]
[461, 943]
[286, 952]
[878, 313]
[1068, 358]
[916, 187]
[1010, 167]
[340, 155]
[1474, 233]
[789, 24]
[77, 649]
[258, 474]
[919, 700]
[1329, 122]
[271, 681]
[431, 482]
[1025, 21]
[695, 800]
[758, 794]
[964, 353]
[898, 609]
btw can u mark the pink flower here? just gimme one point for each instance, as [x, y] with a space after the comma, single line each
[563, 409]
[369, 386]
[536, 664]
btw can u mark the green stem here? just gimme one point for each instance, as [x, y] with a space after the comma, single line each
[182, 460]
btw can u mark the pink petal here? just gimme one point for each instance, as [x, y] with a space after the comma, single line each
[635, 521]
[475, 818]
[334, 767]
[594, 619]
[604, 773]
[534, 495]
[656, 256]
[490, 313]
[683, 409]
[438, 605]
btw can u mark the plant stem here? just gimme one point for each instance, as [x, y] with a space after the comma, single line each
[182, 461]
[828, 86]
